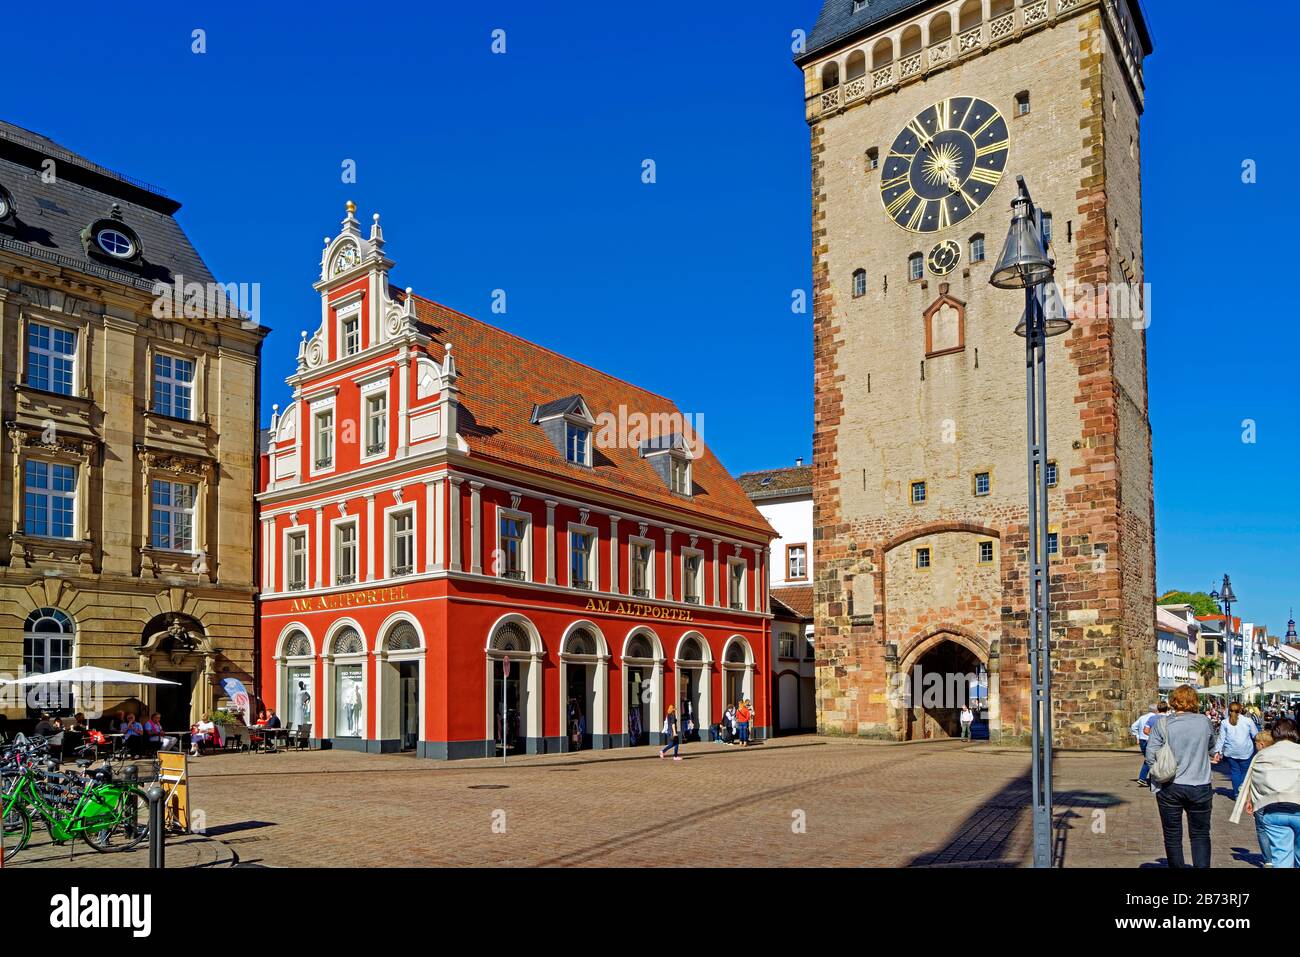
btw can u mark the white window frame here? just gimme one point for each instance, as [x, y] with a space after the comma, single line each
[804, 560]
[632, 542]
[525, 544]
[391, 515]
[915, 267]
[52, 356]
[676, 460]
[348, 326]
[177, 386]
[699, 576]
[983, 253]
[593, 555]
[744, 584]
[51, 495]
[291, 534]
[318, 412]
[174, 511]
[368, 397]
[337, 526]
[570, 427]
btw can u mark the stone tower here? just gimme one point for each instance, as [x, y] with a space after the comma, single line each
[922, 114]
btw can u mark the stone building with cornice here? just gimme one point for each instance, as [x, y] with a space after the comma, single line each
[130, 383]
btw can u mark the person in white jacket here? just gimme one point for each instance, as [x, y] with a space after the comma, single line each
[1271, 791]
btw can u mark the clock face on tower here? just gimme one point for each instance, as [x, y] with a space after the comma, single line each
[944, 257]
[944, 165]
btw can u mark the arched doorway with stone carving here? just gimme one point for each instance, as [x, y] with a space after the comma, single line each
[400, 684]
[941, 672]
[175, 646]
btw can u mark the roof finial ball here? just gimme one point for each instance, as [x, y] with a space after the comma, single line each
[350, 206]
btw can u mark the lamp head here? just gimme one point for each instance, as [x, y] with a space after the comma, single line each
[1023, 261]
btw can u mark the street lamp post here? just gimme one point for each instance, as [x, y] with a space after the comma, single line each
[1226, 597]
[1024, 264]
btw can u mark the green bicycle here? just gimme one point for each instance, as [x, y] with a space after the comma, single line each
[108, 816]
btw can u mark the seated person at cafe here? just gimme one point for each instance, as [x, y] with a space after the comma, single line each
[133, 739]
[272, 719]
[153, 731]
[203, 733]
[45, 727]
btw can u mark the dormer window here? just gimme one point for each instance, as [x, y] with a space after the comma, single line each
[679, 475]
[567, 423]
[6, 206]
[111, 238]
[578, 445]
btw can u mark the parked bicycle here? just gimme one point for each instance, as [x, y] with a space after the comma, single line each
[107, 814]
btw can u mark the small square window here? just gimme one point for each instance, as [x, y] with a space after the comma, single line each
[982, 483]
[859, 283]
[986, 553]
[1047, 229]
[923, 558]
[1053, 543]
[1051, 475]
[578, 444]
[873, 159]
[977, 248]
[915, 266]
[918, 493]
[1022, 103]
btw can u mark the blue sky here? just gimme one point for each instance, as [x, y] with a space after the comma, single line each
[522, 172]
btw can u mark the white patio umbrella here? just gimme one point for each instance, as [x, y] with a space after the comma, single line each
[89, 675]
[1281, 686]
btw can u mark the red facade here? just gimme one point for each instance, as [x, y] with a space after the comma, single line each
[469, 541]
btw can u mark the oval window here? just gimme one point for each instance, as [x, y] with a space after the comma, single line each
[116, 244]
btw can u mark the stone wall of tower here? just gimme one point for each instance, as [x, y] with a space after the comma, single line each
[886, 415]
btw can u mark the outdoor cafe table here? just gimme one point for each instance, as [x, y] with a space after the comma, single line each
[272, 736]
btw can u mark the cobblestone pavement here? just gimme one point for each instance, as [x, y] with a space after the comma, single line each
[797, 801]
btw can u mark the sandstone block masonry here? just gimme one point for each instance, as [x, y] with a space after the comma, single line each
[889, 414]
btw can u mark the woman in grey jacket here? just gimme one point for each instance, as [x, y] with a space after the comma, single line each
[1191, 736]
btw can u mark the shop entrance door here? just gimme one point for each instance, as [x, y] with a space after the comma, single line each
[638, 712]
[173, 701]
[409, 716]
[511, 731]
[689, 704]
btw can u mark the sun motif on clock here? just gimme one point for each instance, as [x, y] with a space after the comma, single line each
[945, 164]
[346, 258]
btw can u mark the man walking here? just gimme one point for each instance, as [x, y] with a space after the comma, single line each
[967, 719]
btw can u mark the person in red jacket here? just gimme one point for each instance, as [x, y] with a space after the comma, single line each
[743, 716]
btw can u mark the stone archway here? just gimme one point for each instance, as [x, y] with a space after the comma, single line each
[939, 674]
[176, 647]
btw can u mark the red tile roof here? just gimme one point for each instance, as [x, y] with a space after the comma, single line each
[798, 598]
[501, 378]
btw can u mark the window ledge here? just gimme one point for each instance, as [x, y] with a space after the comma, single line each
[51, 396]
[153, 415]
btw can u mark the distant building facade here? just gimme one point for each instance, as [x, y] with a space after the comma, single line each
[784, 497]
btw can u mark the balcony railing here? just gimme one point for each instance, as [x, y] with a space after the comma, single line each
[882, 77]
[855, 88]
[737, 606]
[1002, 26]
[582, 583]
[909, 65]
[831, 98]
[640, 593]
[1035, 13]
[349, 579]
[297, 584]
[514, 574]
[325, 463]
[692, 599]
[970, 39]
[941, 51]
[400, 570]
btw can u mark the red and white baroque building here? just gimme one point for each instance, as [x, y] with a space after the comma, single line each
[468, 539]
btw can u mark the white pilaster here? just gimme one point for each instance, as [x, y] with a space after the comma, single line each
[429, 524]
[440, 536]
[476, 528]
[668, 564]
[372, 540]
[318, 571]
[717, 592]
[613, 555]
[455, 523]
[550, 541]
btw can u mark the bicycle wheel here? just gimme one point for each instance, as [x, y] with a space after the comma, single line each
[117, 821]
[17, 830]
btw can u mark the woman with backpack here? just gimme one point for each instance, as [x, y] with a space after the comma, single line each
[1178, 751]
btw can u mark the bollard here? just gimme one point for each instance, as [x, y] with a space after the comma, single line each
[155, 795]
